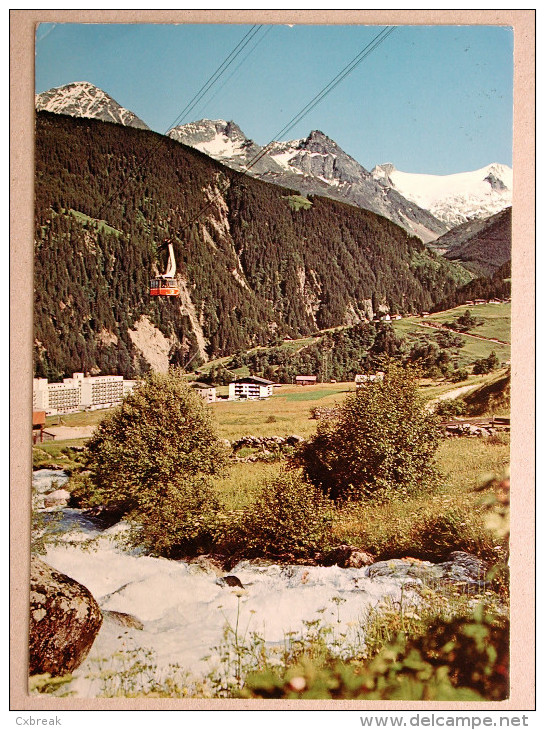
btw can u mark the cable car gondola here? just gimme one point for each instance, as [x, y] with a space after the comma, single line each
[165, 285]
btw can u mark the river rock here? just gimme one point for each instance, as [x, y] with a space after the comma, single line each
[209, 564]
[230, 580]
[410, 570]
[347, 556]
[123, 619]
[58, 498]
[64, 621]
[459, 567]
[464, 567]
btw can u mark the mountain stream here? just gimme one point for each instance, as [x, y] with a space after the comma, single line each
[181, 609]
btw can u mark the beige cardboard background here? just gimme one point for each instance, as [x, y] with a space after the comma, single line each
[22, 26]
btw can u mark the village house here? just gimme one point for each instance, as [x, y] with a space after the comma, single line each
[207, 392]
[361, 380]
[250, 388]
[305, 379]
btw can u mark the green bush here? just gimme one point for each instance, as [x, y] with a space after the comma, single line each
[433, 536]
[179, 520]
[149, 461]
[459, 374]
[289, 519]
[460, 659]
[383, 441]
[450, 407]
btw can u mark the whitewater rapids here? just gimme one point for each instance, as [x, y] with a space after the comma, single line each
[183, 609]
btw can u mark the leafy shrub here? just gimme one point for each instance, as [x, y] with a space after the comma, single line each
[450, 407]
[459, 374]
[181, 522]
[426, 531]
[383, 441]
[149, 460]
[486, 365]
[459, 659]
[433, 536]
[476, 652]
[290, 518]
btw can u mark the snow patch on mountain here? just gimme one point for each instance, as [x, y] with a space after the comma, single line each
[455, 198]
[82, 99]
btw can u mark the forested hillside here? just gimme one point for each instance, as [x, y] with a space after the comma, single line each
[497, 286]
[482, 245]
[254, 263]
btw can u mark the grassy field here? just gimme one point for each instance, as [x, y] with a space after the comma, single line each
[497, 319]
[422, 525]
[284, 413]
[496, 325]
[81, 418]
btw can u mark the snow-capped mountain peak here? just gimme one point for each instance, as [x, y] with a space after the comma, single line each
[314, 164]
[454, 198]
[83, 99]
[215, 137]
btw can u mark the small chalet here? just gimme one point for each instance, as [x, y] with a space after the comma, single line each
[305, 379]
[361, 380]
[38, 423]
[207, 392]
[250, 388]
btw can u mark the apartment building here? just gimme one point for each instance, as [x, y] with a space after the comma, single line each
[250, 388]
[79, 393]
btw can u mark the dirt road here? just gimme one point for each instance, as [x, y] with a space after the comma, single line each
[62, 433]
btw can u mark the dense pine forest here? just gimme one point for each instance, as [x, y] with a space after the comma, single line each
[254, 263]
[497, 286]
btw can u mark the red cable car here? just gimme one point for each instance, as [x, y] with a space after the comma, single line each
[165, 285]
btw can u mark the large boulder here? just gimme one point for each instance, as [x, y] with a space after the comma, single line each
[58, 498]
[64, 621]
[459, 567]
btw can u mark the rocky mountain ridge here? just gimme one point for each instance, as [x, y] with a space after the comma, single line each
[82, 99]
[315, 165]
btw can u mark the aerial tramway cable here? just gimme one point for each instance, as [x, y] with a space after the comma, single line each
[222, 68]
[218, 73]
[320, 96]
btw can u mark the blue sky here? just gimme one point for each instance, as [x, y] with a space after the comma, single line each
[430, 99]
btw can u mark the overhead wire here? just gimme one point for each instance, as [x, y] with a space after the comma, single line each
[254, 30]
[224, 84]
[320, 96]
[215, 77]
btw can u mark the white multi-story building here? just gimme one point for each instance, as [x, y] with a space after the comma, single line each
[250, 388]
[79, 393]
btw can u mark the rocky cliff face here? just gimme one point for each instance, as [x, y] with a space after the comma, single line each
[82, 99]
